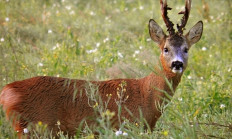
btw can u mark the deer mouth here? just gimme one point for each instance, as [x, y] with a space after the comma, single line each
[178, 71]
[177, 67]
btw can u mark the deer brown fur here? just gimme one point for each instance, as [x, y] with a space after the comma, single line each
[51, 99]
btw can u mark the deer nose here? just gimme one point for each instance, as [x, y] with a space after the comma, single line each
[177, 65]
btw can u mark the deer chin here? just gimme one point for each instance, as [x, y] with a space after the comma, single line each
[177, 71]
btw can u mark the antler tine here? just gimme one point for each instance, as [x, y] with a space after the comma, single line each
[185, 17]
[164, 11]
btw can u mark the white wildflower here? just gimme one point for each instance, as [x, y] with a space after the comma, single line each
[54, 48]
[105, 40]
[92, 13]
[7, 19]
[189, 77]
[211, 17]
[25, 131]
[205, 115]
[140, 47]
[54, 5]
[57, 75]
[148, 39]
[68, 7]
[107, 18]
[125, 134]
[40, 64]
[2, 40]
[120, 55]
[98, 44]
[222, 106]
[141, 8]
[180, 99]
[204, 49]
[137, 52]
[57, 45]
[229, 69]
[91, 51]
[49, 31]
[119, 132]
[202, 78]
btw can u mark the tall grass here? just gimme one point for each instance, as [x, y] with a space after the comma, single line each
[100, 40]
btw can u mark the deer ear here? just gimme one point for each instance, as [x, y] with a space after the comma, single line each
[194, 34]
[156, 32]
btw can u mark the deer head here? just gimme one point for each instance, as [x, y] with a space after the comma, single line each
[175, 46]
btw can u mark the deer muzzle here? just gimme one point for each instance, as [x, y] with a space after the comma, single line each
[177, 67]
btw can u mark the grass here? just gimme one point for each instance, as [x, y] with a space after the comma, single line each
[100, 40]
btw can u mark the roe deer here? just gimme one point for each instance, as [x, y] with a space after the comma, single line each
[50, 99]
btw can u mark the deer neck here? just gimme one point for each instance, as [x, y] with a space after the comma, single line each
[153, 87]
[159, 81]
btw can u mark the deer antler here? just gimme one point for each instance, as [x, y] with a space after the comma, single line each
[164, 11]
[185, 17]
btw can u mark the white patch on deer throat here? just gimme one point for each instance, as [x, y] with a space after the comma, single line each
[174, 70]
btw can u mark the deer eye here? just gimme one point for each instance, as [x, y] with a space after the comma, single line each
[185, 50]
[166, 50]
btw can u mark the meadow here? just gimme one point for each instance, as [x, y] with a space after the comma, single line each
[107, 39]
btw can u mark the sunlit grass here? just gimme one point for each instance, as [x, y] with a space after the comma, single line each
[100, 40]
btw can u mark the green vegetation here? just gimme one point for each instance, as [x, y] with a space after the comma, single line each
[104, 39]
